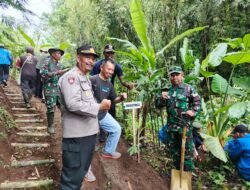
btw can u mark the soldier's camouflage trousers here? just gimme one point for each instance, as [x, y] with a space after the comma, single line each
[52, 102]
[174, 144]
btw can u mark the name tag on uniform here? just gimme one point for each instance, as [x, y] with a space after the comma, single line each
[88, 93]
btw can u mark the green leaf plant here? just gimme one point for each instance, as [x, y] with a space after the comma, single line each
[225, 110]
[143, 60]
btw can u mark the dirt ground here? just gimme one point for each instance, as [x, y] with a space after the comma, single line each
[123, 174]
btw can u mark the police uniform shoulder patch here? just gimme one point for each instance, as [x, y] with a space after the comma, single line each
[71, 79]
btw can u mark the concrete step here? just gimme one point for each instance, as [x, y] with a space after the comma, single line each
[30, 145]
[26, 184]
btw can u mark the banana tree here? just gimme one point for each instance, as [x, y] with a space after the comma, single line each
[227, 110]
[63, 46]
[144, 59]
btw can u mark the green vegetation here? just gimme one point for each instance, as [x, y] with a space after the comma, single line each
[210, 39]
[6, 119]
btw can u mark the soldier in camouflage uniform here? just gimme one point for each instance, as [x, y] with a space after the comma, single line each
[50, 72]
[183, 104]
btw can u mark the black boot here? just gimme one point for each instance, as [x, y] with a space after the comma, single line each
[27, 100]
[50, 119]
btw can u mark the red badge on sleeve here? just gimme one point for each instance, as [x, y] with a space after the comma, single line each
[71, 80]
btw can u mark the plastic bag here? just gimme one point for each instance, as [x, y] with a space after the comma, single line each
[162, 134]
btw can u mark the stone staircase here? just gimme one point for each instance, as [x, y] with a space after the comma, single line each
[30, 143]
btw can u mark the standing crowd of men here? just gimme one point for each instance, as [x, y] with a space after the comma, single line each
[87, 104]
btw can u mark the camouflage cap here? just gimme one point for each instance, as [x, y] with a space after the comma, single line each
[175, 69]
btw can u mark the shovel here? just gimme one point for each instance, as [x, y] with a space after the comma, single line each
[180, 179]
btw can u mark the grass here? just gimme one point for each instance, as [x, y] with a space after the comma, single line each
[3, 135]
[6, 119]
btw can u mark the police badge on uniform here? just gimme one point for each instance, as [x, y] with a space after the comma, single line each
[71, 80]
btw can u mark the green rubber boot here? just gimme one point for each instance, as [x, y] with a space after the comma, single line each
[50, 119]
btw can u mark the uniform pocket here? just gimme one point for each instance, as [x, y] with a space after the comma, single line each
[182, 103]
[86, 91]
[71, 155]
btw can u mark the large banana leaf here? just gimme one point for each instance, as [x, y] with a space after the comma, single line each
[126, 43]
[238, 109]
[234, 43]
[139, 23]
[222, 109]
[220, 85]
[179, 37]
[242, 82]
[45, 46]
[184, 50]
[246, 41]
[215, 57]
[214, 146]
[64, 45]
[206, 74]
[196, 68]
[237, 58]
[26, 37]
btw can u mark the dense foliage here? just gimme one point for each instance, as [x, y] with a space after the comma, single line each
[149, 36]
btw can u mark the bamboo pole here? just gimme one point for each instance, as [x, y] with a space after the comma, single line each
[15, 98]
[9, 91]
[25, 128]
[13, 102]
[30, 145]
[33, 134]
[133, 125]
[8, 94]
[31, 162]
[25, 184]
[22, 109]
[28, 120]
[26, 115]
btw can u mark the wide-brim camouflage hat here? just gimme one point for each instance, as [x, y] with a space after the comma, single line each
[51, 50]
[87, 50]
[175, 69]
